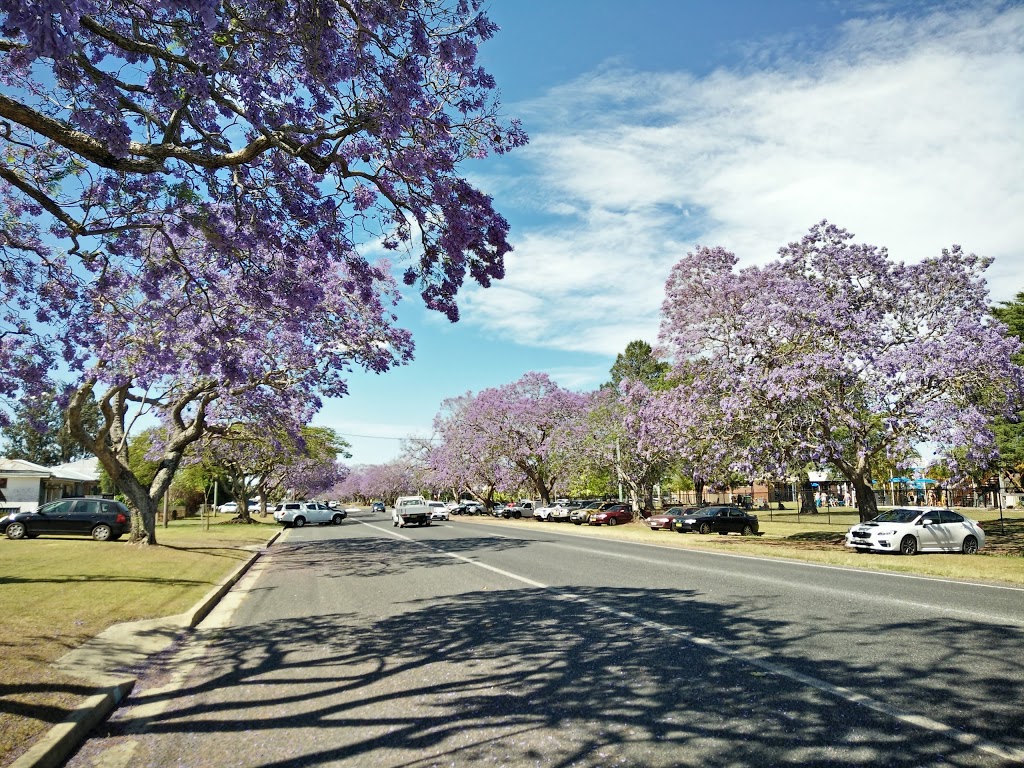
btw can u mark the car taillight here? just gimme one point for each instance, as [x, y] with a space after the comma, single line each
[980, 525]
[121, 518]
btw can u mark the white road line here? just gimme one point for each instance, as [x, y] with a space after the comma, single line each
[970, 740]
[802, 563]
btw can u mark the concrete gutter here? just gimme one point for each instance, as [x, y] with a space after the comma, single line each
[102, 661]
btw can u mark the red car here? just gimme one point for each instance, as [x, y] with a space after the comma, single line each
[613, 515]
[662, 521]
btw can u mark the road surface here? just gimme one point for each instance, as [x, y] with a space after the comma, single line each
[469, 644]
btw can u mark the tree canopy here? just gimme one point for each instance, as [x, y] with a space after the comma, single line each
[187, 189]
[837, 355]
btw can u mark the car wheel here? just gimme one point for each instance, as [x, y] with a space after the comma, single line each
[970, 546]
[337, 519]
[16, 531]
[394, 523]
[613, 521]
[747, 531]
[299, 522]
[101, 532]
[908, 546]
[704, 528]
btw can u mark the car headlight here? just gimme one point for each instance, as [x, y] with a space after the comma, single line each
[690, 520]
[890, 532]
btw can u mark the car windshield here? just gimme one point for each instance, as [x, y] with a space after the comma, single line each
[897, 516]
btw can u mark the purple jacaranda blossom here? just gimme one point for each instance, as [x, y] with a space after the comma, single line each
[833, 354]
[523, 435]
[188, 187]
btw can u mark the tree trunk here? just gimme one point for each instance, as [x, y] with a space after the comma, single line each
[110, 446]
[867, 504]
[807, 505]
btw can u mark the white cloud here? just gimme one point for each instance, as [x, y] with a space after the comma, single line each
[907, 133]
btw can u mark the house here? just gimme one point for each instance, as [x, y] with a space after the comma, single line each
[25, 486]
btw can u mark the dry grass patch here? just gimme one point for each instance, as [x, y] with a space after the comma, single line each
[59, 592]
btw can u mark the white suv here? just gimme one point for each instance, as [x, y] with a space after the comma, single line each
[298, 513]
[438, 510]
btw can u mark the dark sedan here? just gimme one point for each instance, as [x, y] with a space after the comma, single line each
[103, 519]
[719, 519]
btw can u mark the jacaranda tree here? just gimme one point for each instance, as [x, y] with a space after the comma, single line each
[533, 431]
[186, 187]
[836, 354]
[464, 457]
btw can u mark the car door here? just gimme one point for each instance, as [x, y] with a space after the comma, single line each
[321, 513]
[62, 517]
[49, 518]
[720, 522]
[951, 530]
[84, 515]
[930, 533]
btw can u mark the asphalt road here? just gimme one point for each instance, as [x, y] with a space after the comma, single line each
[467, 644]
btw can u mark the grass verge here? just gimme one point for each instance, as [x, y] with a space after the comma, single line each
[819, 539]
[58, 592]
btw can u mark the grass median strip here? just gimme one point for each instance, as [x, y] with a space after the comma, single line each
[58, 592]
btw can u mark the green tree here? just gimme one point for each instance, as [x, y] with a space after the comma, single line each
[39, 433]
[638, 363]
[1010, 434]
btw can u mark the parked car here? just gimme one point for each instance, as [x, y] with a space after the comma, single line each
[438, 510]
[103, 519]
[561, 513]
[613, 515]
[662, 521]
[917, 529]
[377, 506]
[514, 509]
[582, 515]
[721, 519]
[298, 513]
[468, 508]
[546, 514]
[231, 507]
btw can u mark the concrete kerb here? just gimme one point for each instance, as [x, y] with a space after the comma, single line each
[122, 646]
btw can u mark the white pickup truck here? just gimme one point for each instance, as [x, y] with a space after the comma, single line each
[410, 510]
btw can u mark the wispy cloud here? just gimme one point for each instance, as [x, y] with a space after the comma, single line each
[905, 131]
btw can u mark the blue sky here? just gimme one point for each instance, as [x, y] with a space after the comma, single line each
[656, 126]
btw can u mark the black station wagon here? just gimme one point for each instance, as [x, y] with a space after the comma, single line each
[103, 519]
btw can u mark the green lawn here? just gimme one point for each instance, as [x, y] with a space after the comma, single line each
[58, 592]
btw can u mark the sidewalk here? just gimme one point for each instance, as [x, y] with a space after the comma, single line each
[103, 661]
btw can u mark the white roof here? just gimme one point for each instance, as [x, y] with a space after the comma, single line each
[22, 467]
[85, 470]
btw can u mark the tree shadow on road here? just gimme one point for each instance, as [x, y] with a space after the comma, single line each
[587, 677]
